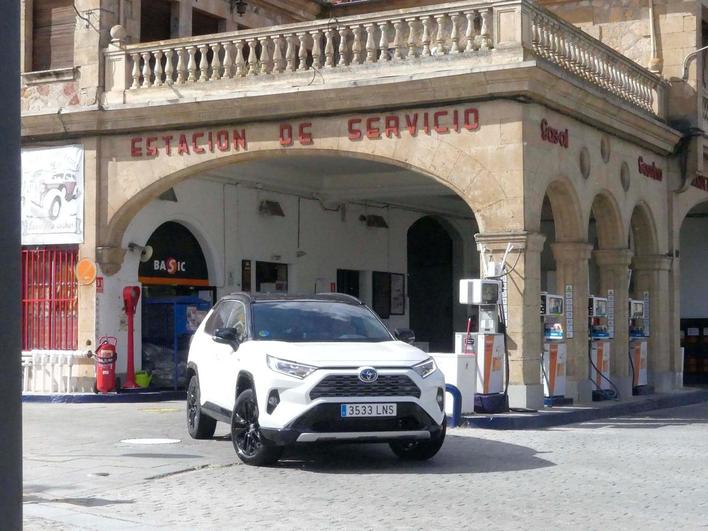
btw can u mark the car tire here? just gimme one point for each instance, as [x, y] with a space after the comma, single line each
[54, 208]
[246, 434]
[420, 450]
[199, 425]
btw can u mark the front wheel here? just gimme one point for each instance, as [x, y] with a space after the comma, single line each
[199, 425]
[246, 433]
[420, 450]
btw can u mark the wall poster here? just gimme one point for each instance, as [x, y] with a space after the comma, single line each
[52, 195]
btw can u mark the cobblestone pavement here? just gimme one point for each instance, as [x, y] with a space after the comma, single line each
[643, 472]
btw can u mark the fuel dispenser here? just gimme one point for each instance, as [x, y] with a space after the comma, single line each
[131, 295]
[638, 341]
[599, 349]
[487, 342]
[554, 358]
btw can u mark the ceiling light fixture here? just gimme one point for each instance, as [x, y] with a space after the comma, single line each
[239, 6]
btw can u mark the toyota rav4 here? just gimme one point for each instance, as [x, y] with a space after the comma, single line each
[282, 370]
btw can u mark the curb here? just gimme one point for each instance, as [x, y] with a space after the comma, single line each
[562, 416]
[108, 398]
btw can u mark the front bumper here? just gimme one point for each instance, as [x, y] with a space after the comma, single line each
[323, 423]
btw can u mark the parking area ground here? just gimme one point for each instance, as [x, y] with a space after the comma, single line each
[645, 471]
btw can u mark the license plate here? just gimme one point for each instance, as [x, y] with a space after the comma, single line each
[368, 410]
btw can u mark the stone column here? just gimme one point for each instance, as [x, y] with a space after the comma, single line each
[523, 286]
[651, 273]
[87, 293]
[614, 275]
[572, 270]
[181, 19]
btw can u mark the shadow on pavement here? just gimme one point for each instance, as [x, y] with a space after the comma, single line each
[82, 502]
[164, 455]
[459, 455]
[662, 418]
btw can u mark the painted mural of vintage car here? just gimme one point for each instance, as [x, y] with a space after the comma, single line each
[46, 193]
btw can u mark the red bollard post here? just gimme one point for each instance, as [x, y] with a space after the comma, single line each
[131, 295]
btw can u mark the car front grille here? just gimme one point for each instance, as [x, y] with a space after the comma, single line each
[349, 385]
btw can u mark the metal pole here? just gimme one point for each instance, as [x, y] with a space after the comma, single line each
[10, 361]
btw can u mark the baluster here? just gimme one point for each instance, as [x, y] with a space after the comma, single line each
[317, 50]
[192, 64]
[203, 63]
[169, 66]
[440, 35]
[469, 32]
[343, 55]
[215, 62]
[398, 43]
[253, 57]
[158, 68]
[412, 37]
[278, 56]
[228, 59]
[181, 66]
[147, 72]
[383, 42]
[425, 39]
[303, 37]
[371, 56]
[266, 60]
[241, 69]
[455, 34]
[329, 49]
[485, 32]
[291, 54]
[136, 70]
[358, 46]
[535, 33]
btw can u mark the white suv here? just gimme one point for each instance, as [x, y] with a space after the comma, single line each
[283, 370]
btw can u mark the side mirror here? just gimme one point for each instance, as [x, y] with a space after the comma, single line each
[229, 336]
[405, 334]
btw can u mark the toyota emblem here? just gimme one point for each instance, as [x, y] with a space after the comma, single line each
[368, 374]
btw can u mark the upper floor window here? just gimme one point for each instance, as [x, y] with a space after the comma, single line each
[53, 24]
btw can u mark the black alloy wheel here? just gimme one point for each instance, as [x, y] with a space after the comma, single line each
[420, 450]
[246, 433]
[199, 425]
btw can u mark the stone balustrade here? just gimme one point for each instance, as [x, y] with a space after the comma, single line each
[462, 34]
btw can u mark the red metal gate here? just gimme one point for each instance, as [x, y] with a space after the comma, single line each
[49, 298]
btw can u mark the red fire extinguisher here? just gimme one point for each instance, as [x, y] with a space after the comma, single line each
[106, 356]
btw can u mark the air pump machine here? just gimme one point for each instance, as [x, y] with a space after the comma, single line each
[638, 340]
[599, 339]
[487, 342]
[553, 362]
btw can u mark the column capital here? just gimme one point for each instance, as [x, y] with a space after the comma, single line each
[569, 252]
[652, 262]
[522, 241]
[110, 259]
[613, 257]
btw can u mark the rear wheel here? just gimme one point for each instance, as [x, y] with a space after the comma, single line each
[420, 450]
[199, 425]
[246, 433]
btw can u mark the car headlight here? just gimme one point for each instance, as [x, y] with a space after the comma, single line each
[297, 370]
[425, 368]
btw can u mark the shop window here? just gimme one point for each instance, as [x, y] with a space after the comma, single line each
[53, 24]
[49, 298]
[271, 277]
[348, 282]
[155, 20]
[205, 23]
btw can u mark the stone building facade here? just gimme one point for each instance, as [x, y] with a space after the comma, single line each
[565, 131]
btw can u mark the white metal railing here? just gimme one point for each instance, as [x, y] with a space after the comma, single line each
[51, 371]
[465, 31]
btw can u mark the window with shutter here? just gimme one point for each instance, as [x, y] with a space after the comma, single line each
[53, 24]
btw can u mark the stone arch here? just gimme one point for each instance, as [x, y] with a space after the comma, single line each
[567, 211]
[468, 178]
[642, 228]
[608, 218]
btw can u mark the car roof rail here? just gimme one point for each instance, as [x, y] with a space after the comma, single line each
[342, 297]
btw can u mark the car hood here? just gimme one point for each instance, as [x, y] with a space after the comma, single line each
[385, 354]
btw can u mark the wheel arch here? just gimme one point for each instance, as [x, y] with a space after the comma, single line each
[244, 381]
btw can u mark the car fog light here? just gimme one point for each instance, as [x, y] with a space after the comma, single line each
[441, 398]
[273, 401]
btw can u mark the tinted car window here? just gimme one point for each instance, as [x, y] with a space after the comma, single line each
[316, 321]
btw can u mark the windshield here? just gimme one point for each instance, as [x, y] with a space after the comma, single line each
[316, 321]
